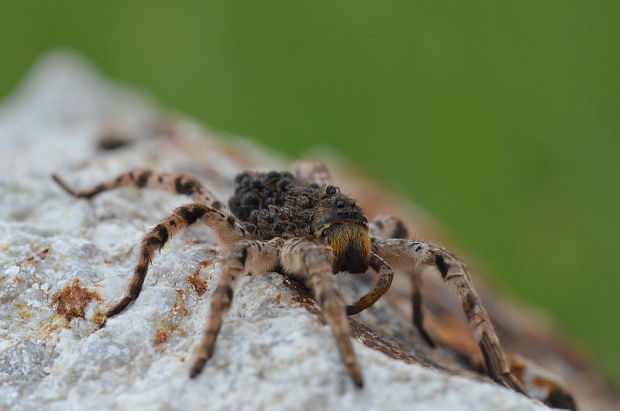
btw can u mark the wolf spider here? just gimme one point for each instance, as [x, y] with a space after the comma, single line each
[300, 225]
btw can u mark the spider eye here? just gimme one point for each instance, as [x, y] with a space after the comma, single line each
[331, 190]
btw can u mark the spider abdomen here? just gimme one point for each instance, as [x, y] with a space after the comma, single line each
[274, 204]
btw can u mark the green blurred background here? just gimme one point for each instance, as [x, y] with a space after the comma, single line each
[501, 118]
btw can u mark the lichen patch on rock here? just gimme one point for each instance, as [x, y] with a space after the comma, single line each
[199, 284]
[72, 301]
[36, 257]
[165, 330]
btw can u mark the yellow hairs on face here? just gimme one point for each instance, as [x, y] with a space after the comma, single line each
[348, 235]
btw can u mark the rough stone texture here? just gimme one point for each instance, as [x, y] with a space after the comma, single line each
[63, 261]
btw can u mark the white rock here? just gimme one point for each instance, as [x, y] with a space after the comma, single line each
[271, 352]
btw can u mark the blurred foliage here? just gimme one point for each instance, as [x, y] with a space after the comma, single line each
[501, 118]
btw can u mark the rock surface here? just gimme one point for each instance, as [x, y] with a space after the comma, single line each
[63, 261]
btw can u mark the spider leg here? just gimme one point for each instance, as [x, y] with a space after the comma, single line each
[389, 226]
[386, 274]
[311, 264]
[227, 229]
[416, 306]
[141, 178]
[311, 171]
[258, 256]
[407, 253]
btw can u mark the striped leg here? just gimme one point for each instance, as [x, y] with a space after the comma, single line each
[140, 178]
[389, 226]
[311, 171]
[257, 256]
[381, 287]
[227, 229]
[311, 264]
[406, 253]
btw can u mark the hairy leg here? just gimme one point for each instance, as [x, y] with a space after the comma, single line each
[258, 256]
[381, 287]
[141, 178]
[226, 228]
[406, 253]
[312, 265]
[389, 226]
[311, 171]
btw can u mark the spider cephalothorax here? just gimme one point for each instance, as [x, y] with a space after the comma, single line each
[301, 225]
[277, 204]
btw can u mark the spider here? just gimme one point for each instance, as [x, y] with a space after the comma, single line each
[300, 225]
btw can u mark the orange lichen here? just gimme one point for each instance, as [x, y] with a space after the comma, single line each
[73, 300]
[178, 304]
[177, 329]
[198, 284]
[100, 318]
[165, 330]
[37, 257]
[22, 311]
[162, 334]
[45, 329]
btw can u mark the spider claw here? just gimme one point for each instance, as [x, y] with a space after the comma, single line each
[510, 381]
[352, 310]
[358, 380]
[197, 367]
[494, 364]
[118, 308]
